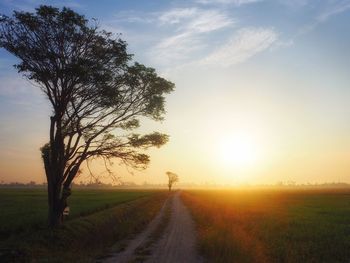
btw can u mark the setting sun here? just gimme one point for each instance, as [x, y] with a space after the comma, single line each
[239, 151]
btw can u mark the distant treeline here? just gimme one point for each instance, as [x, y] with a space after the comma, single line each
[99, 184]
[33, 184]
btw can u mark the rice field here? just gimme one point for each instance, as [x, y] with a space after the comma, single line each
[23, 208]
[99, 220]
[272, 225]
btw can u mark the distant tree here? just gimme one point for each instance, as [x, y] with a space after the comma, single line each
[32, 183]
[172, 178]
[97, 95]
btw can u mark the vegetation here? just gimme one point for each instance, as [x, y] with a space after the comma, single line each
[92, 228]
[172, 179]
[272, 225]
[97, 95]
[28, 207]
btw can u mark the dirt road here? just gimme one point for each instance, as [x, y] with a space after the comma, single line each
[176, 244]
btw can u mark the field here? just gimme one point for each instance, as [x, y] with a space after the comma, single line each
[272, 225]
[28, 207]
[98, 220]
[232, 225]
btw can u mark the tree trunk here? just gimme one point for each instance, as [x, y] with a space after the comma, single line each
[58, 193]
[54, 188]
[55, 205]
[54, 162]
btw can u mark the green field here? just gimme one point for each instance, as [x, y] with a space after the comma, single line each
[233, 225]
[23, 208]
[99, 219]
[272, 225]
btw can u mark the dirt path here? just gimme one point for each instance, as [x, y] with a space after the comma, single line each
[176, 244]
[128, 254]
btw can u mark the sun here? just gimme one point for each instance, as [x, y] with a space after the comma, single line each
[238, 151]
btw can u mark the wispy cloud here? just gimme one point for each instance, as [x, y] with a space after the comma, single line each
[132, 16]
[177, 15]
[191, 27]
[242, 46]
[196, 20]
[294, 3]
[235, 2]
[332, 9]
[207, 21]
[176, 48]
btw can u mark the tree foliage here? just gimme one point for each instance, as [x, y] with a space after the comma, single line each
[97, 94]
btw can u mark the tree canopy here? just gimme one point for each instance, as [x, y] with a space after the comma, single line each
[97, 93]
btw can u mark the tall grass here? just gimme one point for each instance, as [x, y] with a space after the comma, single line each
[271, 225]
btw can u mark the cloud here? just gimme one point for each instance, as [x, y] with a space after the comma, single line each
[242, 46]
[176, 48]
[207, 21]
[132, 16]
[334, 10]
[192, 26]
[196, 20]
[331, 10]
[284, 43]
[234, 2]
[176, 15]
[294, 3]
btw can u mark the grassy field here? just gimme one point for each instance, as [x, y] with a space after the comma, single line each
[22, 208]
[272, 225]
[99, 219]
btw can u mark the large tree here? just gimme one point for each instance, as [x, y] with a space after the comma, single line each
[97, 94]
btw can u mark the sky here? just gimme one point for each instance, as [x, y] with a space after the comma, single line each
[262, 90]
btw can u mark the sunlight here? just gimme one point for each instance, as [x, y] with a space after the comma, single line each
[238, 151]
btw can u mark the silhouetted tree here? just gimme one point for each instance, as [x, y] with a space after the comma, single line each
[97, 95]
[172, 178]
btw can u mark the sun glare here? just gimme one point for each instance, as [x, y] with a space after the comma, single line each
[239, 151]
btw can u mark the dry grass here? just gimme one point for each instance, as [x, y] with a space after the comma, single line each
[272, 225]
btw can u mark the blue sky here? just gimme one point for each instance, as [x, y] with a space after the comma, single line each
[276, 70]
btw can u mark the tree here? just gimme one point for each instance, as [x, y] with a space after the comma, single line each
[97, 95]
[172, 178]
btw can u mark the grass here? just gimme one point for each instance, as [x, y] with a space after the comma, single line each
[272, 225]
[21, 208]
[92, 229]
